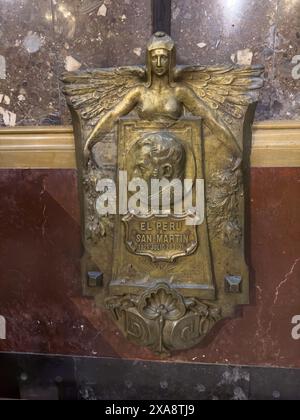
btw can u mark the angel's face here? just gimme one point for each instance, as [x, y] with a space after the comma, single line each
[160, 61]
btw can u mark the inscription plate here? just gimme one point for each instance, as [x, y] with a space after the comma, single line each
[162, 238]
[150, 248]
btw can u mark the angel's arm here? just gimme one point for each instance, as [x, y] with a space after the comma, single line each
[106, 123]
[197, 106]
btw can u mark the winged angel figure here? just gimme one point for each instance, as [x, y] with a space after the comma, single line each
[162, 90]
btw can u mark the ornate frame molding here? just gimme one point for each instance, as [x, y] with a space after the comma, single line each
[275, 144]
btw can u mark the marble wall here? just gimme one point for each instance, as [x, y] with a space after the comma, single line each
[39, 39]
[246, 32]
[41, 297]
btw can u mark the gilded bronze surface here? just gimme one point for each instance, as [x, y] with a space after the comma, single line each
[162, 238]
[165, 282]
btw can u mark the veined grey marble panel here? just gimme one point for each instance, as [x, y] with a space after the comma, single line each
[100, 33]
[286, 101]
[28, 83]
[42, 38]
[39, 39]
[245, 32]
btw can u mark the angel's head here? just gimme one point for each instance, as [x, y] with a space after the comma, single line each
[160, 56]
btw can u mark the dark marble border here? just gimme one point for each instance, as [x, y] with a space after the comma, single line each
[34, 376]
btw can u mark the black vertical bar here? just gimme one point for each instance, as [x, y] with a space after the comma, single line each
[161, 15]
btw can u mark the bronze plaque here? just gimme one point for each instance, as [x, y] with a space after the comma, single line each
[165, 280]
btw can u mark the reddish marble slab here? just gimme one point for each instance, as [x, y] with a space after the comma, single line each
[40, 290]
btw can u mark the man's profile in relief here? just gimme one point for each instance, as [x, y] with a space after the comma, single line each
[158, 156]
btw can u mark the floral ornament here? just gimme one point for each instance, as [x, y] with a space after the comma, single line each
[209, 314]
[117, 305]
[162, 304]
[97, 225]
[223, 194]
[162, 301]
[163, 318]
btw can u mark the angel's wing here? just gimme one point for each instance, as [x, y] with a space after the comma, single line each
[230, 89]
[94, 92]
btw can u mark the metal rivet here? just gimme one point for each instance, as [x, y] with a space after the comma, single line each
[233, 284]
[95, 279]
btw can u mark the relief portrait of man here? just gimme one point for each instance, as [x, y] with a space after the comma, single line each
[159, 156]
